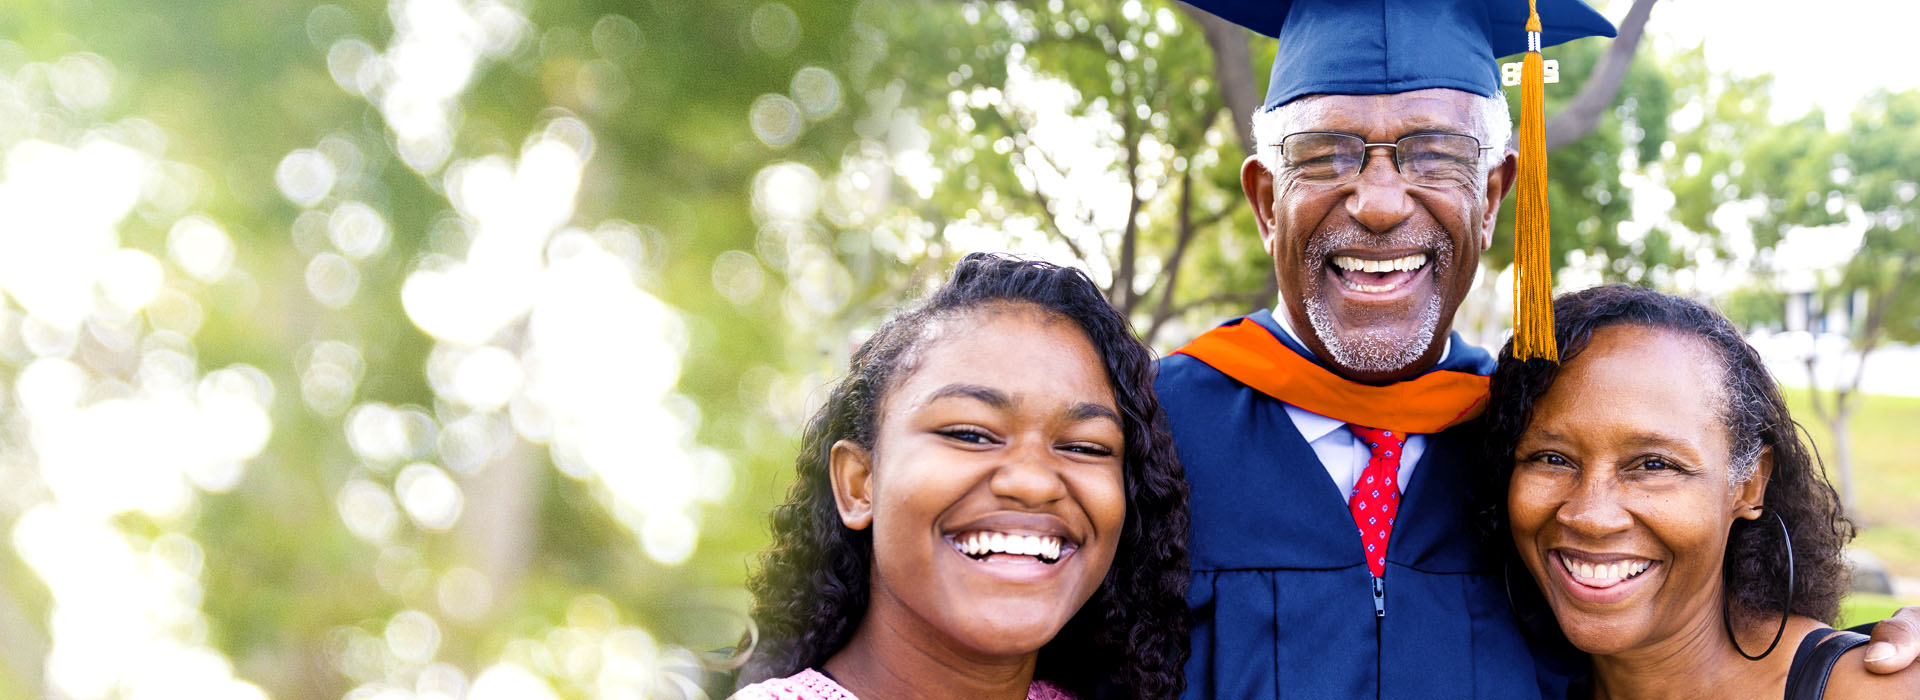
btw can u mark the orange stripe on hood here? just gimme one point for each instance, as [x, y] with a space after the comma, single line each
[1428, 404]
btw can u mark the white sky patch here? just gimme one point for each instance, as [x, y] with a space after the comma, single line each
[1828, 59]
[1829, 56]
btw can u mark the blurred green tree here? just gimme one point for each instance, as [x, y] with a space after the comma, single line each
[1799, 175]
[355, 147]
[536, 296]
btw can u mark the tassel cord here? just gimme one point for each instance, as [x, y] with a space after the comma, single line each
[1533, 283]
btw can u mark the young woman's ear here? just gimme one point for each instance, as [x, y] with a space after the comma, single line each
[851, 468]
[1751, 497]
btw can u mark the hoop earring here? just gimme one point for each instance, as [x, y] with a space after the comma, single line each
[1531, 617]
[1506, 584]
[1726, 614]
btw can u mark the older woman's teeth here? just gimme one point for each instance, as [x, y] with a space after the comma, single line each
[981, 544]
[1604, 574]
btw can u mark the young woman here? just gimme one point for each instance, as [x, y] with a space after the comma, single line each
[986, 507]
[1670, 518]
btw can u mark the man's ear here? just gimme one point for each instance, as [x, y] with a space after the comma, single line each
[850, 467]
[1753, 494]
[1499, 183]
[1257, 183]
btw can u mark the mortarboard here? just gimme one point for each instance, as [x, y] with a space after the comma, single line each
[1371, 47]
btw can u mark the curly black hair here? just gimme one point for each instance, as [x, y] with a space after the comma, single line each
[811, 590]
[1755, 417]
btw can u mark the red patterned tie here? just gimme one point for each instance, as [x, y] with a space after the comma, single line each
[1376, 498]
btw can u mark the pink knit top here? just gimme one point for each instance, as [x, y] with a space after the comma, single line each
[813, 685]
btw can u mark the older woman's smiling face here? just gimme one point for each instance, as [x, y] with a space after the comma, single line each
[1621, 500]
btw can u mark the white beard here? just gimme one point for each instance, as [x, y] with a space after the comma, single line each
[1375, 352]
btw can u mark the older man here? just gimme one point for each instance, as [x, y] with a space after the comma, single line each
[1329, 442]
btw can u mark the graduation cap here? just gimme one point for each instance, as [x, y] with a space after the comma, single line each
[1372, 47]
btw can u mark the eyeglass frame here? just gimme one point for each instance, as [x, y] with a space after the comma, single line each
[1366, 149]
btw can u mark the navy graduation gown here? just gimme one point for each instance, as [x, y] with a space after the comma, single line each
[1283, 604]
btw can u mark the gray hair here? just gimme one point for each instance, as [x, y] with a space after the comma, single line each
[1271, 125]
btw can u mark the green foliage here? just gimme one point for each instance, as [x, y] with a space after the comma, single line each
[1883, 435]
[1136, 78]
[1881, 159]
[669, 91]
[1749, 307]
[907, 131]
[1862, 608]
[1801, 175]
[1588, 198]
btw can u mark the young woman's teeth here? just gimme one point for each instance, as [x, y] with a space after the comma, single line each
[1607, 573]
[980, 544]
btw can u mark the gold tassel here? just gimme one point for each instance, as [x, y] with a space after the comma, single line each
[1532, 266]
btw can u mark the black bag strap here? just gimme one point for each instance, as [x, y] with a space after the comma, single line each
[1814, 660]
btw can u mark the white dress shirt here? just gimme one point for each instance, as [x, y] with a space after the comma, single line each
[1343, 454]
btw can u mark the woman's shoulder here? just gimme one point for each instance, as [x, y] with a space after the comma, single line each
[1850, 679]
[805, 685]
[1042, 690]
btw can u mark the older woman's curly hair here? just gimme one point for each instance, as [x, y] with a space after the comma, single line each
[1755, 418]
[811, 590]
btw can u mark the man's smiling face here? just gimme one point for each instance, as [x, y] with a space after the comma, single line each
[1372, 270]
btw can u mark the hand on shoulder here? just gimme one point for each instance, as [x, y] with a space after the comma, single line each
[1891, 673]
[1851, 679]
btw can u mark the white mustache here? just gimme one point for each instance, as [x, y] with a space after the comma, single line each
[1322, 244]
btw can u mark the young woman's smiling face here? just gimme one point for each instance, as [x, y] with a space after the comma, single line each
[993, 487]
[1620, 499]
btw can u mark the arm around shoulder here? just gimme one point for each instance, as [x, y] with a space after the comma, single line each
[1851, 679]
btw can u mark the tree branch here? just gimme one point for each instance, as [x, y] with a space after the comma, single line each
[1581, 115]
[1269, 296]
[1233, 205]
[1047, 219]
[1881, 300]
[1813, 389]
[1040, 199]
[1187, 229]
[1241, 300]
[1232, 70]
[1122, 292]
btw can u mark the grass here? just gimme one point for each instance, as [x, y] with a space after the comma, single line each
[1866, 607]
[1886, 466]
[1886, 473]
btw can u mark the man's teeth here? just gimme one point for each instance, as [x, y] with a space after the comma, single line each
[1605, 572]
[1353, 264]
[980, 544]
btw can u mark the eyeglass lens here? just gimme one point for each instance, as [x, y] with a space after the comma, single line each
[1422, 159]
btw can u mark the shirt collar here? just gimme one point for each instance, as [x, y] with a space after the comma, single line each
[1280, 316]
[1312, 426]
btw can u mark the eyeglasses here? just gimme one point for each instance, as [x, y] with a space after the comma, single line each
[1334, 158]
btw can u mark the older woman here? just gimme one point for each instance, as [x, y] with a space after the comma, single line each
[1668, 514]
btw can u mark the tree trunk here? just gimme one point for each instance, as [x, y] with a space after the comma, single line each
[1232, 70]
[1843, 457]
[1596, 95]
[497, 530]
[1122, 294]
